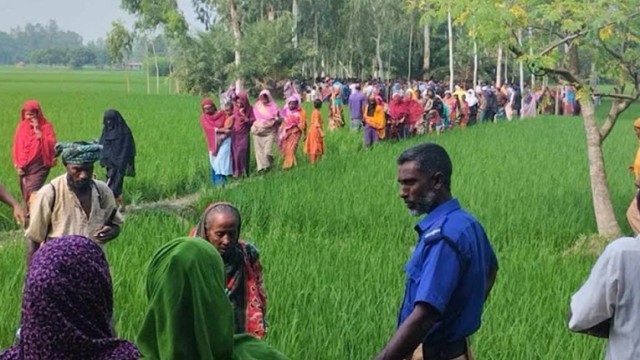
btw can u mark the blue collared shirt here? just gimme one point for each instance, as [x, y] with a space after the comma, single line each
[448, 270]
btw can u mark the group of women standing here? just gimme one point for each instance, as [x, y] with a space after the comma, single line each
[228, 132]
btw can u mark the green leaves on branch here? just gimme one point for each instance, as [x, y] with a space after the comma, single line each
[119, 42]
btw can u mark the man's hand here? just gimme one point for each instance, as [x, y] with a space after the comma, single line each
[410, 334]
[107, 233]
[18, 214]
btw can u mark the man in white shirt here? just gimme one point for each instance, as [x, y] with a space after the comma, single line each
[608, 304]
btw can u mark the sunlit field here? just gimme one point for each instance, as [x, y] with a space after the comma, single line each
[334, 237]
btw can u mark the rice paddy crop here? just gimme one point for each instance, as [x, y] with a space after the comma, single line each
[334, 237]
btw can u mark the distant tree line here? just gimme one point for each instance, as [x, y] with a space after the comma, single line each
[50, 45]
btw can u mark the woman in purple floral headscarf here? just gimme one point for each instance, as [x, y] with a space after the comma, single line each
[67, 306]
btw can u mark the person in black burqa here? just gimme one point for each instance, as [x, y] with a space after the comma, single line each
[118, 152]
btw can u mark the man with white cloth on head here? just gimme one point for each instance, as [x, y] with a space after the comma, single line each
[608, 304]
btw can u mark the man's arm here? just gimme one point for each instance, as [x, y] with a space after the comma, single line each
[491, 279]
[592, 307]
[113, 218]
[493, 272]
[410, 334]
[438, 277]
[18, 212]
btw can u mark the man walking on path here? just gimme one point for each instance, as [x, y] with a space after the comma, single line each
[451, 271]
[74, 203]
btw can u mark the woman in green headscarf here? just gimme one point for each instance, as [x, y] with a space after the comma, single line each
[189, 315]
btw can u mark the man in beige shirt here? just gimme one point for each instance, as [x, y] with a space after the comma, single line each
[74, 203]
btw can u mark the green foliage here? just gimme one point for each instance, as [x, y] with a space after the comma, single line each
[119, 42]
[164, 66]
[270, 52]
[21, 44]
[81, 57]
[153, 13]
[206, 62]
[52, 56]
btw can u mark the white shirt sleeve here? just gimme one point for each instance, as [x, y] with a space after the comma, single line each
[595, 302]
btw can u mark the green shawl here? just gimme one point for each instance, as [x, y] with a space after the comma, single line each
[189, 315]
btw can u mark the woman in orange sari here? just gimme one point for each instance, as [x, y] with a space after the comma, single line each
[314, 144]
[33, 149]
[452, 103]
[291, 129]
[374, 121]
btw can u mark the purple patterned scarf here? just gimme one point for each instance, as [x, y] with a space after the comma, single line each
[67, 306]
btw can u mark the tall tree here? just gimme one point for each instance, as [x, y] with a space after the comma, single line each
[610, 33]
[152, 14]
[119, 44]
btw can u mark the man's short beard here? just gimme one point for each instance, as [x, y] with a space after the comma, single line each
[78, 185]
[424, 204]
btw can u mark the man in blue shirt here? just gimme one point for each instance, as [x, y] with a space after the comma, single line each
[452, 269]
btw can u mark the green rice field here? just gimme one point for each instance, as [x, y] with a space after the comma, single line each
[334, 237]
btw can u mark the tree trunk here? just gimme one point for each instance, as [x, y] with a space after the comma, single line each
[155, 62]
[475, 64]
[315, 44]
[506, 68]
[593, 77]
[379, 54]
[426, 55]
[294, 11]
[410, 48]
[533, 77]
[235, 27]
[126, 77]
[521, 65]
[499, 67]
[557, 109]
[146, 63]
[450, 32]
[602, 206]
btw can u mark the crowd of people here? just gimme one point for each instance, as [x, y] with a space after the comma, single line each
[393, 110]
[206, 292]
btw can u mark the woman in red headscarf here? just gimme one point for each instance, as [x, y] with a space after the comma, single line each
[33, 149]
[217, 130]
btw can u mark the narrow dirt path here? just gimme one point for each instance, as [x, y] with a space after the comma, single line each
[167, 204]
[175, 206]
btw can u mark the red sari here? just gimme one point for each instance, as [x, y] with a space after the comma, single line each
[398, 113]
[33, 150]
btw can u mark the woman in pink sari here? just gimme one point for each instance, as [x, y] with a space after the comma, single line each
[293, 125]
[242, 120]
[264, 130]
